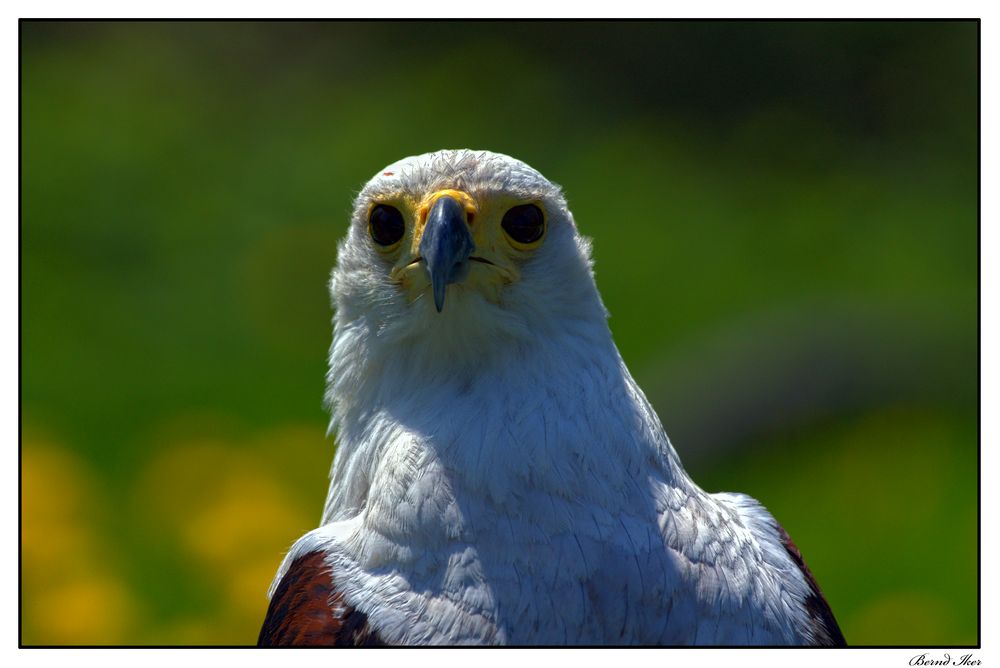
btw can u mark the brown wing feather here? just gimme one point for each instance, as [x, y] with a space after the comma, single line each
[306, 610]
[827, 630]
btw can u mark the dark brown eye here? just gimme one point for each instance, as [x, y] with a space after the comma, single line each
[525, 224]
[386, 225]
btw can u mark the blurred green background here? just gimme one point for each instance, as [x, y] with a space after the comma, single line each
[785, 228]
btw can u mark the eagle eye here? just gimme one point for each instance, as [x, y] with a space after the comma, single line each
[525, 224]
[385, 224]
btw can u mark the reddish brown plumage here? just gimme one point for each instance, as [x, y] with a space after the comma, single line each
[307, 610]
[828, 631]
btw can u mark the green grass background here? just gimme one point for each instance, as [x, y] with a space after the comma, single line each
[784, 219]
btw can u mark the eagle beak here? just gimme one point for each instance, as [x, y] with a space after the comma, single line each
[446, 245]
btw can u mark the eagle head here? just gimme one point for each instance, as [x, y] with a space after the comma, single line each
[462, 254]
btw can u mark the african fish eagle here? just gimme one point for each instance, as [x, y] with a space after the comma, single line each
[499, 477]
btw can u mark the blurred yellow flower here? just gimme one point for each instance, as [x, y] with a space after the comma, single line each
[92, 610]
[71, 593]
[224, 501]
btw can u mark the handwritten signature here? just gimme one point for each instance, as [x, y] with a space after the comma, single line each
[945, 660]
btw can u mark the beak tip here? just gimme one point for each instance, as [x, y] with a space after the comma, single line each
[439, 289]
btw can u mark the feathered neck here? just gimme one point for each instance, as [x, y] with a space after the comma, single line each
[503, 409]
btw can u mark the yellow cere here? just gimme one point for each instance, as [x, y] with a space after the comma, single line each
[467, 202]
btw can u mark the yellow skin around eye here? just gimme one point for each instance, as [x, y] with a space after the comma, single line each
[496, 259]
[537, 242]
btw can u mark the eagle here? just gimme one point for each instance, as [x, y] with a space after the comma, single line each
[500, 478]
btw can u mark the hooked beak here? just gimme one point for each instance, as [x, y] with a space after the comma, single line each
[445, 246]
